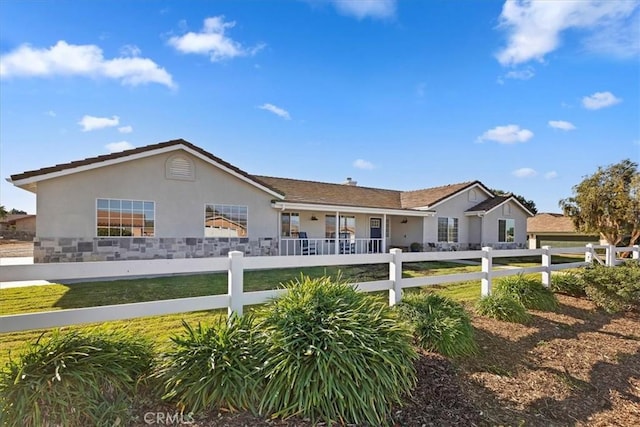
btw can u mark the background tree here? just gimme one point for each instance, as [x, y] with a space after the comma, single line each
[15, 211]
[607, 202]
[3, 212]
[529, 204]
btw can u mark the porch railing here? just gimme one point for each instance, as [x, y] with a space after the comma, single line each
[327, 246]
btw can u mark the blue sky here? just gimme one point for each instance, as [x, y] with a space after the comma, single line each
[525, 96]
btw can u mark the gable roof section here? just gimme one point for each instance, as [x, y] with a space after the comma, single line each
[313, 192]
[28, 180]
[429, 197]
[550, 223]
[488, 205]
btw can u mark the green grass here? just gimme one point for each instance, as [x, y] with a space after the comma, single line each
[161, 328]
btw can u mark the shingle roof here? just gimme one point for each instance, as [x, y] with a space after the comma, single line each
[550, 223]
[431, 196]
[487, 205]
[293, 190]
[134, 151]
[296, 190]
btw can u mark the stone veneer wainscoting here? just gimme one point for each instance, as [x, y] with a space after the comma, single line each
[65, 249]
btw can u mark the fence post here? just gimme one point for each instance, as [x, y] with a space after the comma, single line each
[636, 252]
[487, 266]
[588, 253]
[611, 256]
[546, 263]
[236, 282]
[395, 275]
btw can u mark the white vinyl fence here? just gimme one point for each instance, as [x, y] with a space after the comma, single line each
[235, 265]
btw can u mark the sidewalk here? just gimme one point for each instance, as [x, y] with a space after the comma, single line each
[27, 260]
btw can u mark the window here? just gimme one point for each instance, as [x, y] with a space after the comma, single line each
[125, 218]
[290, 224]
[347, 225]
[506, 230]
[447, 229]
[225, 221]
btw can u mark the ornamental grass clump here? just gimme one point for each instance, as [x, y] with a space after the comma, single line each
[213, 366]
[74, 379]
[439, 324]
[333, 354]
[614, 288]
[568, 284]
[529, 291]
[502, 307]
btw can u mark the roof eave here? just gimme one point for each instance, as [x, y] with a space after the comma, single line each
[348, 209]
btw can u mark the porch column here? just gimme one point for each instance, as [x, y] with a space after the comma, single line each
[337, 249]
[384, 233]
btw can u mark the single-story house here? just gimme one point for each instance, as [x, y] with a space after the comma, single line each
[176, 200]
[556, 229]
[18, 222]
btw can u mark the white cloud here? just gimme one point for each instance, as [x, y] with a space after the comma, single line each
[125, 129]
[51, 113]
[116, 147]
[522, 74]
[276, 110]
[363, 164]
[551, 175]
[366, 8]
[65, 59]
[212, 41]
[524, 173]
[561, 124]
[90, 123]
[600, 100]
[534, 28]
[508, 134]
[130, 50]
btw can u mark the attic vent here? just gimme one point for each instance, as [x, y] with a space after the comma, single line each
[180, 167]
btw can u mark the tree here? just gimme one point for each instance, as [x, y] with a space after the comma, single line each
[607, 202]
[3, 212]
[529, 204]
[15, 211]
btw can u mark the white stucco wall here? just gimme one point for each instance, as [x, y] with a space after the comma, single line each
[454, 208]
[66, 205]
[490, 234]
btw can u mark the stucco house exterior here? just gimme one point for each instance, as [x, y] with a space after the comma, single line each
[175, 200]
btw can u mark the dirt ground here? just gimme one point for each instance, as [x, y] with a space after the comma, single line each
[575, 367]
[15, 249]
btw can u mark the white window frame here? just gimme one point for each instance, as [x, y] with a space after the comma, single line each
[288, 233]
[506, 227]
[453, 230]
[213, 207]
[143, 235]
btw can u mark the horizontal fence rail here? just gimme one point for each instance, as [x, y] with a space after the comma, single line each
[236, 264]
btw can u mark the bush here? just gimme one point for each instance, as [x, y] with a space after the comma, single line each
[528, 291]
[334, 354]
[614, 288]
[439, 324]
[568, 284]
[74, 379]
[503, 307]
[213, 367]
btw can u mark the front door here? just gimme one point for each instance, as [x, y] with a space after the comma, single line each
[375, 234]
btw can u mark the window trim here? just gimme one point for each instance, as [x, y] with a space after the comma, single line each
[289, 234]
[155, 217]
[204, 221]
[453, 223]
[506, 220]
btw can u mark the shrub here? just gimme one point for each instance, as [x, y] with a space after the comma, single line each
[568, 284]
[439, 324]
[74, 379]
[335, 354]
[528, 291]
[213, 367]
[614, 288]
[502, 307]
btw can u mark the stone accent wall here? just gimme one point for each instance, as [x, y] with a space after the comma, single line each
[442, 246]
[66, 249]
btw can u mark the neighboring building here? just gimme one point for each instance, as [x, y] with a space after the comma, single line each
[18, 227]
[554, 229]
[175, 200]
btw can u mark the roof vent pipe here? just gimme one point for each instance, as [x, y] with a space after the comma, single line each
[349, 181]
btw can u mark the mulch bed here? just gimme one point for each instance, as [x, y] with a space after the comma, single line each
[575, 367]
